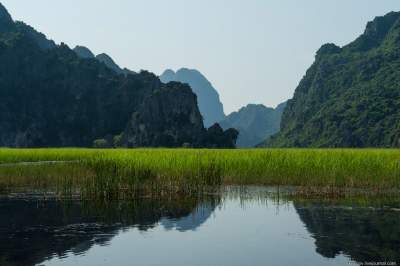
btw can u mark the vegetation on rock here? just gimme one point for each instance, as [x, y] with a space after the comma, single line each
[350, 97]
[51, 97]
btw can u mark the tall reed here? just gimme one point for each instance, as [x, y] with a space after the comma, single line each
[124, 173]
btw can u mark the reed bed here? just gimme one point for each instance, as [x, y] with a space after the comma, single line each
[121, 173]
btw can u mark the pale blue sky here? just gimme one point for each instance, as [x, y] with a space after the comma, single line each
[253, 51]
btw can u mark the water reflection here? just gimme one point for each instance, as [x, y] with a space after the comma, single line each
[220, 229]
[365, 234]
[34, 231]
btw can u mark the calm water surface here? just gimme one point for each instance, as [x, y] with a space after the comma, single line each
[230, 228]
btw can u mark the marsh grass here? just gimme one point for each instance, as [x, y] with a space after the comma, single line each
[129, 173]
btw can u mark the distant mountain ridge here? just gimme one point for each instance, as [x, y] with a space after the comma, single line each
[209, 102]
[255, 123]
[350, 96]
[85, 53]
[51, 97]
[5, 18]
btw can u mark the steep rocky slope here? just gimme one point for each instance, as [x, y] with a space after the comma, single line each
[49, 96]
[210, 105]
[350, 96]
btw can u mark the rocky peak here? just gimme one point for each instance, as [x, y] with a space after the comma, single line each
[185, 71]
[167, 118]
[380, 26]
[39, 38]
[209, 102]
[256, 107]
[327, 110]
[109, 62]
[5, 18]
[58, 84]
[329, 48]
[255, 123]
[83, 52]
[4, 15]
[376, 32]
[168, 75]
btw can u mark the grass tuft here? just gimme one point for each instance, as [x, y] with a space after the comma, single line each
[125, 173]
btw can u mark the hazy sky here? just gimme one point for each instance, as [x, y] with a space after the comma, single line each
[253, 51]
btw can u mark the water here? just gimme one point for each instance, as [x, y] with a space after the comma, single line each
[231, 228]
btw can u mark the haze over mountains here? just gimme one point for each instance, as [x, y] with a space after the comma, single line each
[255, 123]
[50, 96]
[84, 53]
[208, 98]
[350, 97]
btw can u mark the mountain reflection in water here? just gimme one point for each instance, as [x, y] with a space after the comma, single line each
[364, 234]
[48, 232]
[34, 231]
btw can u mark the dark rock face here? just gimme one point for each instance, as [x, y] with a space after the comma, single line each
[38, 37]
[50, 97]
[216, 137]
[210, 105]
[5, 18]
[8, 28]
[255, 123]
[170, 118]
[83, 52]
[108, 61]
[378, 31]
[350, 96]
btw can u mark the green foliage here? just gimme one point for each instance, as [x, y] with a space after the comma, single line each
[216, 137]
[101, 144]
[350, 97]
[117, 141]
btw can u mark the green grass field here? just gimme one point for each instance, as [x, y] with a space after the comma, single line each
[112, 173]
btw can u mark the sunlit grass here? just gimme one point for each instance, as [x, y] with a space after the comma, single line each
[121, 173]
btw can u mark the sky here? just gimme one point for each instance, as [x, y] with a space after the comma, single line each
[252, 51]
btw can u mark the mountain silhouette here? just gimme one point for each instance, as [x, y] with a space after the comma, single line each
[209, 102]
